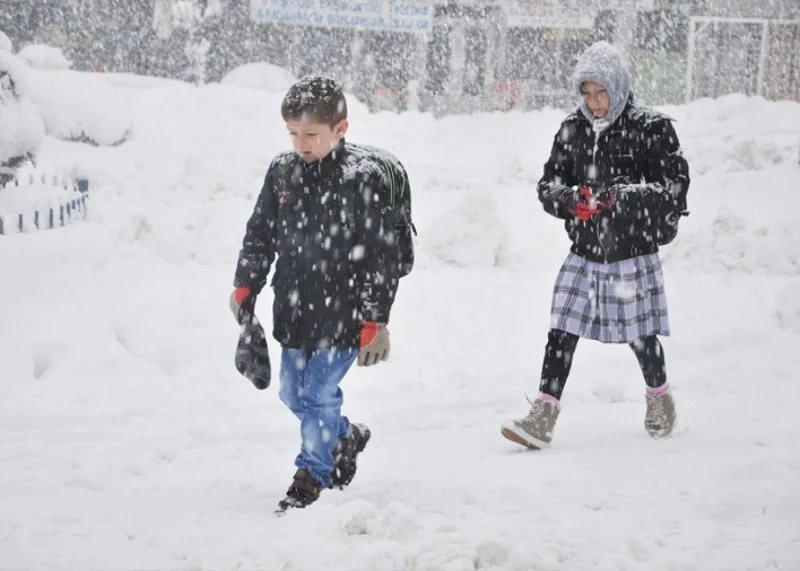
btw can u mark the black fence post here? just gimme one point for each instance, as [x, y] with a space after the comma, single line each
[83, 188]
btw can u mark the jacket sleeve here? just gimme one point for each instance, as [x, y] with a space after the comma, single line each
[258, 246]
[378, 249]
[555, 186]
[666, 177]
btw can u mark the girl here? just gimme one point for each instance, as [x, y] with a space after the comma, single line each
[617, 177]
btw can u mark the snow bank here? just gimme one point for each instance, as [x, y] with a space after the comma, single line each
[260, 75]
[787, 308]
[471, 234]
[737, 133]
[5, 43]
[44, 57]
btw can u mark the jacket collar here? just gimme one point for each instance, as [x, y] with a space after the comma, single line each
[327, 162]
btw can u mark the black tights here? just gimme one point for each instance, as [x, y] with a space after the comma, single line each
[561, 348]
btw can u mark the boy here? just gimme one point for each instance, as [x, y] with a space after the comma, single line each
[328, 211]
[617, 177]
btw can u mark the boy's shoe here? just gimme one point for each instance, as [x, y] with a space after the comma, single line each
[347, 450]
[536, 429]
[304, 491]
[660, 417]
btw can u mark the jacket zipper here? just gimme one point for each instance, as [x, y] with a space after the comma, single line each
[594, 162]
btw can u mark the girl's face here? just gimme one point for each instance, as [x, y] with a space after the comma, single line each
[596, 97]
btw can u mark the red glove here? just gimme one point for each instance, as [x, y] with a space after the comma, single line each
[375, 344]
[237, 299]
[369, 329]
[240, 294]
[584, 210]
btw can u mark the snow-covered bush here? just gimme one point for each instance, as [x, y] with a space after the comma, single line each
[83, 107]
[21, 126]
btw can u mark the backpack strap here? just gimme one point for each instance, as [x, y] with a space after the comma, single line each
[395, 197]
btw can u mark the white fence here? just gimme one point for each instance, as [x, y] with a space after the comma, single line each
[41, 203]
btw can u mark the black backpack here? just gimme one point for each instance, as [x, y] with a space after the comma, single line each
[396, 179]
[666, 227]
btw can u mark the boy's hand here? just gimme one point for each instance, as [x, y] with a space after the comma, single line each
[375, 344]
[240, 302]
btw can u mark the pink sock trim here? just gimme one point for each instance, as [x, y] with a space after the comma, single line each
[548, 398]
[658, 390]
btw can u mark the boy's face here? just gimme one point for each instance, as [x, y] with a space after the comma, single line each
[312, 140]
[596, 97]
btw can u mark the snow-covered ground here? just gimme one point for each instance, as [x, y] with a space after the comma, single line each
[129, 441]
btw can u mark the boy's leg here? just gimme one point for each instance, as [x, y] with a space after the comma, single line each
[322, 423]
[293, 366]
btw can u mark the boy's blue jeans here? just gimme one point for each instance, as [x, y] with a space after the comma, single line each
[310, 388]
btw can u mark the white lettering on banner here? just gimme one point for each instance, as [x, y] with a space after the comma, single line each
[521, 21]
[410, 16]
[540, 15]
[354, 7]
[290, 16]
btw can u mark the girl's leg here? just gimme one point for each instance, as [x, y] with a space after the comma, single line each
[557, 362]
[650, 354]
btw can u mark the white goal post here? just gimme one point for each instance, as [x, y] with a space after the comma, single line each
[700, 28]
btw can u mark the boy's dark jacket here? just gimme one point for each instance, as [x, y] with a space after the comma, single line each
[640, 150]
[337, 263]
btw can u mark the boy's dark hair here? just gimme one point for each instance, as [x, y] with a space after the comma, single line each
[315, 98]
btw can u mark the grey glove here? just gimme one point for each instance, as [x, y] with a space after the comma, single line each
[375, 344]
[252, 354]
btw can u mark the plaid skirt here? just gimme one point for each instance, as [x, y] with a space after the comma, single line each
[611, 303]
